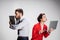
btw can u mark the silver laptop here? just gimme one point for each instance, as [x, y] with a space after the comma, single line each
[53, 24]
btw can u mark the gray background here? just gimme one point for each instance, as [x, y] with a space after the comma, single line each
[31, 8]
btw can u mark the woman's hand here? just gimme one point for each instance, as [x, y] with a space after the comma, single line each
[41, 31]
[50, 30]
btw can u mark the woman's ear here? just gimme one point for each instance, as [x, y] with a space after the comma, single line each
[40, 19]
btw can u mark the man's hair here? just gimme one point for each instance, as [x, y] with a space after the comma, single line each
[19, 10]
[40, 17]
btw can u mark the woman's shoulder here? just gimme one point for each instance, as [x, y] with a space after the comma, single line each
[36, 25]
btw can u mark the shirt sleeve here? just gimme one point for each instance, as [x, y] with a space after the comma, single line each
[13, 26]
[20, 25]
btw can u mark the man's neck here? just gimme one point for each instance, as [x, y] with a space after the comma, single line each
[21, 17]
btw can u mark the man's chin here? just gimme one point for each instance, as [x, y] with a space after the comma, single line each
[17, 18]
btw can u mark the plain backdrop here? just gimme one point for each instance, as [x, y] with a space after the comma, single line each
[32, 8]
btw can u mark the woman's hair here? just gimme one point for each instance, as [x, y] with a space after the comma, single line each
[40, 17]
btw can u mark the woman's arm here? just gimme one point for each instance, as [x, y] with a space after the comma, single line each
[34, 33]
[46, 32]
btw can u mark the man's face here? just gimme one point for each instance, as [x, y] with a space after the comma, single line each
[44, 19]
[18, 15]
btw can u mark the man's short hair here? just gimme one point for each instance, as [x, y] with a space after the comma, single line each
[19, 10]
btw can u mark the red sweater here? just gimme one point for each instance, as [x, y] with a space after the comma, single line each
[35, 32]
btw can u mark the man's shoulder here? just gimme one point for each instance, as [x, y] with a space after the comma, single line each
[26, 20]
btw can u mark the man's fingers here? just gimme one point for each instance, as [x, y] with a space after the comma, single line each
[9, 22]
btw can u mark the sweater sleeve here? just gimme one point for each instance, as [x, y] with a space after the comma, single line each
[46, 33]
[34, 33]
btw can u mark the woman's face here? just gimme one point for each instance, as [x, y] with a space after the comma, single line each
[44, 19]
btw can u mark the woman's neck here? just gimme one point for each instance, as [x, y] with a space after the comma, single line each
[42, 23]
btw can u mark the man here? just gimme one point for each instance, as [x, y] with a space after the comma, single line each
[21, 24]
[40, 29]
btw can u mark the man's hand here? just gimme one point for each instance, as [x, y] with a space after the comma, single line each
[9, 22]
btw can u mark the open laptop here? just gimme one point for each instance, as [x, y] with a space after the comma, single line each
[53, 24]
[12, 19]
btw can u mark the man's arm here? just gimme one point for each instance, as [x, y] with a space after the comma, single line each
[12, 26]
[20, 25]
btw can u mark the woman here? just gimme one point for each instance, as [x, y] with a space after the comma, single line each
[40, 29]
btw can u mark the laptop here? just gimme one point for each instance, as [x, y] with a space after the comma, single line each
[53, 24]
[12, 19]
